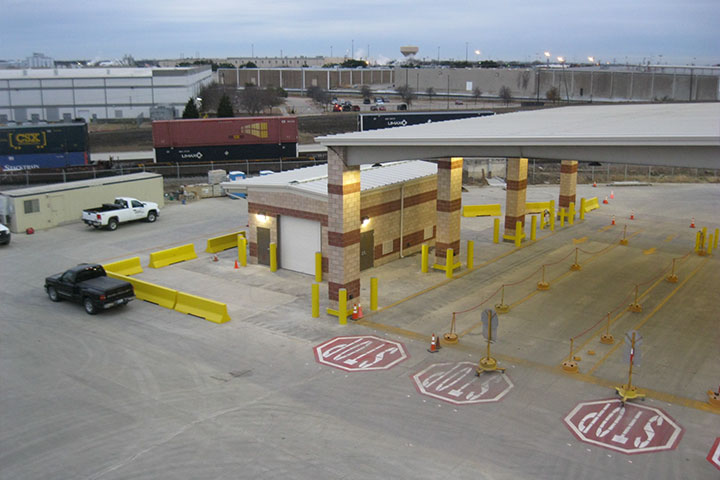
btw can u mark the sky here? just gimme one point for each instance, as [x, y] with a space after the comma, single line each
[616, 31]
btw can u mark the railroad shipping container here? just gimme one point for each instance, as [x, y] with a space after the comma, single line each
[377, 121]
[219, 139]
[58, 145]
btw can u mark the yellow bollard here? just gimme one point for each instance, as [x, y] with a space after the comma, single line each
[710, 245]
[496, 230]
[518, 233]
[342, 306]
[273, 257]
[582, 209]
[533, 226]
[470, 254]
[315, 300]
[552, 215]
[704, 238]
[373, 293]
[242, 250]
[562, 217]
[449, 263]
[424, 264]
[542, 221]
[697, 241]
[318, 267]
[571, 214]
[717, 232]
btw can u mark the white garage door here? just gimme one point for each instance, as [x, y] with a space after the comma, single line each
[299, 240]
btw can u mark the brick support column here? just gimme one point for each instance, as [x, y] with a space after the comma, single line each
[449, 201]
[516, 192]
[343, 227]
[568, 183]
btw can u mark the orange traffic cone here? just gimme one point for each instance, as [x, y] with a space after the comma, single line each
[612, 194]
[355, 312]
[236, 264]
[433, 344]
[594, 184]
[692, 222]
[613, 220]
[359, 314]
[606, 201]
[632, 215]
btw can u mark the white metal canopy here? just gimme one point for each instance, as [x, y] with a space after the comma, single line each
[683, 135]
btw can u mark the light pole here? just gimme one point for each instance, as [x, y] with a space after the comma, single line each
[562, 65]
[466, 52]
[547, 58]
[477, 54]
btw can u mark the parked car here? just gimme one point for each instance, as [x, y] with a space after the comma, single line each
[124, 209]
[4, 235]
[402, 106]
[337, 108]
[376, 108]
[355, 108]
[89, 285]
[366, 101]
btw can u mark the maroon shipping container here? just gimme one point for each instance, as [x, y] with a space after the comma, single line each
[224, 131]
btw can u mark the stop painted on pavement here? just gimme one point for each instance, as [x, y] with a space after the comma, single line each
[360, 353]
[714, 455]
[629, 428]
[458, 383]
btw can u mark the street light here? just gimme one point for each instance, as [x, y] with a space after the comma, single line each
[591, 60]
[547, 58]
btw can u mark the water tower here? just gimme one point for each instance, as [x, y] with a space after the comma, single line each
[409, 52]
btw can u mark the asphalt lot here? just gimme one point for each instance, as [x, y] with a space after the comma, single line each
[144, 392]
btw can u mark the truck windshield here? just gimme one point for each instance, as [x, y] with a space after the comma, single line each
[88, 273]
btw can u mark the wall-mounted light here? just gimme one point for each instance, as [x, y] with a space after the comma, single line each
[262, 218]
[365, 221]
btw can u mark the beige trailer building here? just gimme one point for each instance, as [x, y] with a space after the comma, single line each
[397, 214]
[60, 203]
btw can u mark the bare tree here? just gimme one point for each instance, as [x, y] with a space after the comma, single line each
[366, 91]
[505, 94]
[319, 96]
[406, 93]
[476, 93]
[430, 92]
[553, 94]
[254, 100]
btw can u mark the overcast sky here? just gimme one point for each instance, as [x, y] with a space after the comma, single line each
[666, 31]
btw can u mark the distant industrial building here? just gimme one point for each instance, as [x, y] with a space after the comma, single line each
[33, 95]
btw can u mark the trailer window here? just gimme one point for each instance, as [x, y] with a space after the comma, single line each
[32, 206]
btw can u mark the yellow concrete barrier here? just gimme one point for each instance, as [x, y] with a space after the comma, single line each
[537, 207]
[162, 296]
[224, 242]
[591, 204]
[129, 266]
[210, 310]
[167, 257]
[492, 210]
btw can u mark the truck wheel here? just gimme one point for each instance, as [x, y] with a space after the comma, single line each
[89, 306]
[152, 216]
[52, 293]
[112, 224]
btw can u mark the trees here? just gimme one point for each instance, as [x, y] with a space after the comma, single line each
[553, 94]
[366, 91]
[318, 95]
[225, 108]
[352, 63]
[476, 94]
[254, 100]
[506, 94]
[406, 93]
[430, 92]
[191, 110]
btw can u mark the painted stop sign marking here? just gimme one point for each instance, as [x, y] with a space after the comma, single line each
[629, 429]
[360, 353]
[457, 383]
[714, 455]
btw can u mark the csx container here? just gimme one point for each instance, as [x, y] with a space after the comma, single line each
[217, 139]
[57, 145]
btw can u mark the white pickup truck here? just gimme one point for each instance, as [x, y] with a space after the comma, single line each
[124, 209]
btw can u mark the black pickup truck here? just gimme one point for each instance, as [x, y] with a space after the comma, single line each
[89, 284]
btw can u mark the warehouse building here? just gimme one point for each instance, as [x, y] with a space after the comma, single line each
[48, 206]
[53, 95]
[397, 214]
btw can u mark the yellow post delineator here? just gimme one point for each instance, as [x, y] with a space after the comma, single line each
[542, 284]
[717, 233]
[607, 337]
[502, 307]
[470, 254]
[533, 227]
[710, 245]
[570, 365]
[273, 257]
[487, 363]
[635, 306]
[575, 266]
[373, 293]
[582, 209]
[704, 237]
[315, 300]
[672, 278]
[496, 230]
[242, 250]
[424, 261]
[629, 392]
[518, 233]
[571, 214]
[449, 263]
[562, 217]
[342, 306]
[698, 236]
[624, 240]
[318, 267]
[451, 336]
